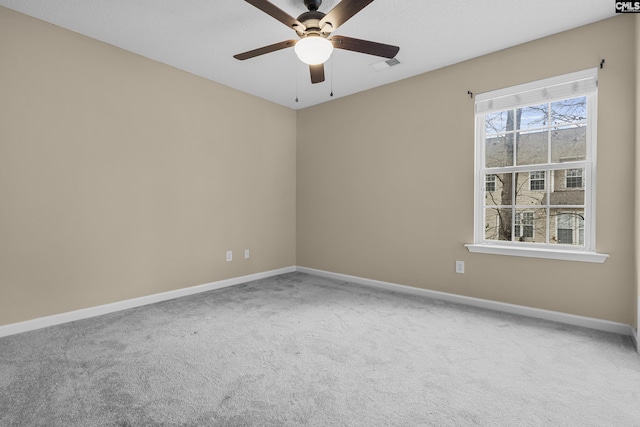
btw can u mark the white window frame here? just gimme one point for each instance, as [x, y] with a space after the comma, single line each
[581, 83]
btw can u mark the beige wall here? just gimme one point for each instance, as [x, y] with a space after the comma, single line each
[122, 177]
[637, 181]
[386, 191]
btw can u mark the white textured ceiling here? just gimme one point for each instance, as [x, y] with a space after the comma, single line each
[201, 37]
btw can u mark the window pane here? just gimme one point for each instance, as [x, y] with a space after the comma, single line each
[568, 143]
[530, 188]
[499, 151]
[530, 225]
[495, 123]
[569, 111]
[532, 148]
[568, 226]
[503, 194]
[535, 116]
[574, 182]
[497, 224]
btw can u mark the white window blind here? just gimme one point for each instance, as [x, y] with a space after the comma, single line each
[569, 85]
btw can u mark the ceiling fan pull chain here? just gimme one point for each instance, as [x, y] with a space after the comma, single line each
[295, 68]
[331, 94]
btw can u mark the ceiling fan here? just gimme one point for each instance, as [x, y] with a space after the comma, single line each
[314, 29]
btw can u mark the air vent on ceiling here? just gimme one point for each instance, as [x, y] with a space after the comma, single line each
[383, 65]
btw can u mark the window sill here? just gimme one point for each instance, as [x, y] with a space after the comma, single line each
[529, 252]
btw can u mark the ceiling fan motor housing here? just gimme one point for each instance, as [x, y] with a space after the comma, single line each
[311, 22]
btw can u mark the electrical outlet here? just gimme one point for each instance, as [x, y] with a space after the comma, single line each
[229, 256]
[460, 267]
[246, 254]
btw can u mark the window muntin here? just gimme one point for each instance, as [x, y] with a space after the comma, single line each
[540, 158]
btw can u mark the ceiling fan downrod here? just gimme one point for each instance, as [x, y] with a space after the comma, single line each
[312, 5]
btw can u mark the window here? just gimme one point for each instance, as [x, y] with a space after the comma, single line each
[490, 183]
[536, 180]
[573, 178]
[535, 160]
[570, 228]
[524, 225]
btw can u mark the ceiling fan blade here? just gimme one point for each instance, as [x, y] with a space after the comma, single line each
[341, 13]
[317, 73]
[265, 49]
[277, 13]
[365, 46]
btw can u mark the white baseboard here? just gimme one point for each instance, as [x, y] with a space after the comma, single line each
[636, 331]
[570, 319]
[85, 313]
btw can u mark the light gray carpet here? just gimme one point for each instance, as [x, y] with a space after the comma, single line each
[299, 350]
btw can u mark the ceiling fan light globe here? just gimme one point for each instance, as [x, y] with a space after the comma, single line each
[313, 50]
